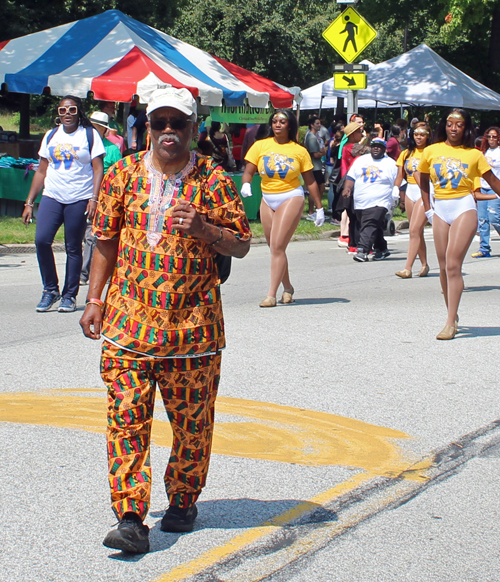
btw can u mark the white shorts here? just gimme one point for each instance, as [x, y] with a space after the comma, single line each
[450, 209]
[413, 192]
[274, 201]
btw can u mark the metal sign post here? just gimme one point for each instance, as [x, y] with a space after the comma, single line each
[349, 34]
[352, 103]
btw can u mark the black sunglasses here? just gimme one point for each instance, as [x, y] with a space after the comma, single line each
[176, 124]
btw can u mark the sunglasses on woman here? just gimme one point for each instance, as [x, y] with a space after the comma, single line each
[176, 124]
[72, 110]
[492, 136]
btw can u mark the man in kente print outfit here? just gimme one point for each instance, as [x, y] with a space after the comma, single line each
[162, 216]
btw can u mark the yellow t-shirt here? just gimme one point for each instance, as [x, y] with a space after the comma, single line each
[279, 165]
[452, 169]
[410, 163]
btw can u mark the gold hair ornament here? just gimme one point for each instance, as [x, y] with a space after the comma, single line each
[455, 115]
[280, 115]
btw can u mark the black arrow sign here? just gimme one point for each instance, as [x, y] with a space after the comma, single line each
[350, 80]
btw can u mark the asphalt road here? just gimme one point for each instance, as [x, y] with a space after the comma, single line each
[351, 445]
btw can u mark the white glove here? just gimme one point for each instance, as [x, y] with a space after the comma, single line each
[246, 190]
[429, 213]
[320, 217]
[395, 196]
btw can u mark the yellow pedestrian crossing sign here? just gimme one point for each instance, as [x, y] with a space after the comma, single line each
[349, 34]
[353, 81]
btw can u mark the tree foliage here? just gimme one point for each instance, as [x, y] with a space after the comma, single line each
[280, 39]
[27, 16]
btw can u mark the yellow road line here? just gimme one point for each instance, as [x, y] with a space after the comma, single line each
[246, 538]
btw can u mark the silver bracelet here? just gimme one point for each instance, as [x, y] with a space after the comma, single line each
[219, 239]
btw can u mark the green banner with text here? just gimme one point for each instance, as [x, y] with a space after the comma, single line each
[243, 114]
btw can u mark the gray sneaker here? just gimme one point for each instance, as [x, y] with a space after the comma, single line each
[381, 255]
[68, 305]
[361, 257]
[47, 301]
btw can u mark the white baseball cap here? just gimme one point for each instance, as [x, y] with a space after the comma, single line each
[180, 99]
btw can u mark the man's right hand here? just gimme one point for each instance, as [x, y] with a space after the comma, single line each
[91, 321]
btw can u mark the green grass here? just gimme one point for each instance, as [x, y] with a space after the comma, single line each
[13, 231]
[305, 227]
[38, 125]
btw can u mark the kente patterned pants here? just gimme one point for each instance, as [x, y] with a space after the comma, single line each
[188, 387]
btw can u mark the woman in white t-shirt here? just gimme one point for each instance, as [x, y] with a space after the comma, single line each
[70, 173]
[488, 211]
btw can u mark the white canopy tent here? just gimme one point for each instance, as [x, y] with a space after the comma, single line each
[418, 77]
[324, 96]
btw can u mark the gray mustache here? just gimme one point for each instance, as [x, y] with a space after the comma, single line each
[169, 137]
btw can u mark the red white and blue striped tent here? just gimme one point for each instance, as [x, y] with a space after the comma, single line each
[116, 57]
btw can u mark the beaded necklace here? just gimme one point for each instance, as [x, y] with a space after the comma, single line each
[164, 187]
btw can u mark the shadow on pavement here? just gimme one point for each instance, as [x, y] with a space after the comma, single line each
[478, 331]
[245, 513]
[483, 288]
[319, 301]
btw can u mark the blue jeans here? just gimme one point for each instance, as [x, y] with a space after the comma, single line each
[488, 213]
[51, 214]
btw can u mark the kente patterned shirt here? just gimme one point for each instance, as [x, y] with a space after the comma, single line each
[165, 302]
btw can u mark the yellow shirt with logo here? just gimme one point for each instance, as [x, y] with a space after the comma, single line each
[452, 169]
[410, 163]
[279, 165]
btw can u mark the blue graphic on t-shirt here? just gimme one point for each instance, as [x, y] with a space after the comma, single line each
[278, 164]
[371, 173]
[450, 171]
[411, 166]
[63, 153]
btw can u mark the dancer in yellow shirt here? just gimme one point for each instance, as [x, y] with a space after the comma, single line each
[408, 162]
[280, 161]
[452, 164]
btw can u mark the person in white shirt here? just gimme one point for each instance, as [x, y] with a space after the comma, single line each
[370, 180]
[488, 211]
[70, 173]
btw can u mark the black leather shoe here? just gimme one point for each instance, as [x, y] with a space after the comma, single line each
[179, 520]
[131, 535]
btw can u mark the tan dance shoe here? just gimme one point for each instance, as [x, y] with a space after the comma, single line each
[424, 271]
[404, 274]
[447, 333]
[287, 296]
[268, 302]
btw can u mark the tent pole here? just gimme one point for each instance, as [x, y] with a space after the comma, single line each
[320, 106]
[375, 115]
[24, 122]
[298, 122]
